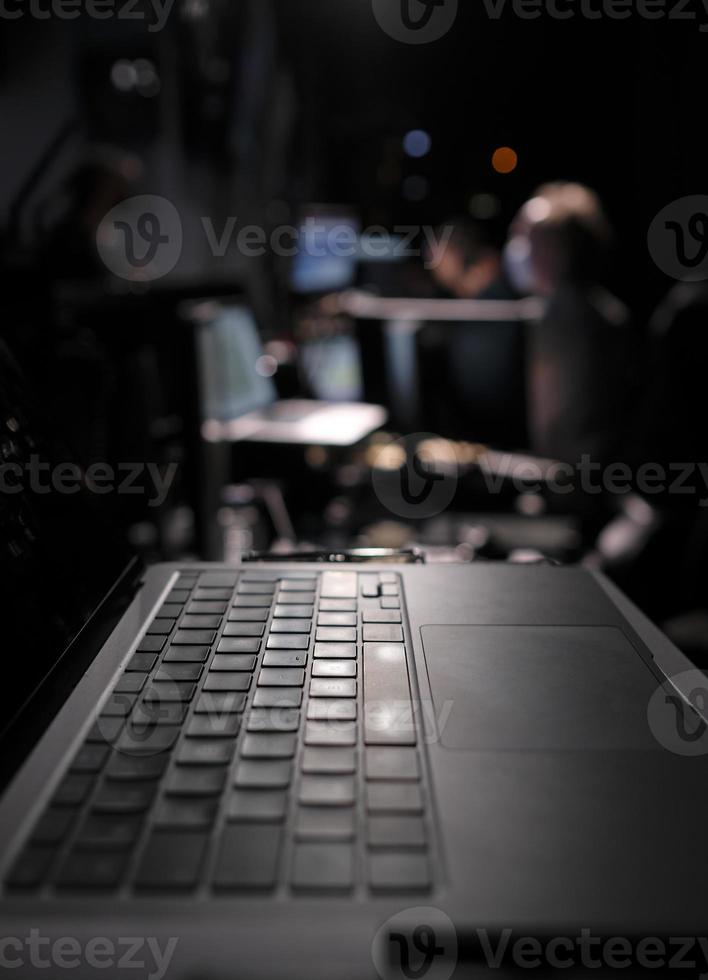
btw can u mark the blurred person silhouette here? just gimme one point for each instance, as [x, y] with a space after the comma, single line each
[481, 366]
[70, 218]
[580, 354]
[464, 264]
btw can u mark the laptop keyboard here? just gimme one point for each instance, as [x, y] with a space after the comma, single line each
[261, 736]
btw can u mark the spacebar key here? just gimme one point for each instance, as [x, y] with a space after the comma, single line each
[388, 710]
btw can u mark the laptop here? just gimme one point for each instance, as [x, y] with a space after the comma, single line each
[239, 401]
[358, 770]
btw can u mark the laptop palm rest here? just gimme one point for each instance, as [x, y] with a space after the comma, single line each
[538, 688]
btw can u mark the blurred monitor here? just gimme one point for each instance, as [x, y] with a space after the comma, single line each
[333, 369]
[328, 250]
[233, 372]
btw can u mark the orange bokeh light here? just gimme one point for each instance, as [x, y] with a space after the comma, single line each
[505, 160]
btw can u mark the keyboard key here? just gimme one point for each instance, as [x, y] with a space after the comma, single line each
[298, 584]
[399, 872]
[273, 720]
[326, 867]
[256, 588]
[285, 658]
[170, 610]
[218, 580]
[277, 697]
[369, 586]
[233, 661]
[186, 654]
[217, 608]
[332, 709]
[108, 832]
[53, 826]
[206, 726]
[151, 644]
[287, 641]
[290, 626]
[248, 856]
[381, 616]
[295, 599]
[293, 612]
[227, 681]
[252, 602]
[321, 687]
[269, 746]
[129, 768]
[173, 691]
[179, 813]
[382, 633]
[141, 663]
[172, 860]
[161, 627]
[327, 791]
[324, 823]
[339, 585]
[205, 752]
[195, 781]
[335, 634]
[90, 758]
[336, 619]
[163, 713]
[130, 684]
[178, 595]
[268, 805]
[72, 791]
[202, 622]
[281, 677]
[389, 602]
[92, 870]
[147, 741]
[189, 637]
[31, 868]
[239, 645]
[394, 798]
[212, 595]
[263, 774]
[107, 729]
[244, 629]
[330, 733]
[396, 832]
[341, 651]
[334, 668]
[337, 605]
[389, 589]
[392, 763]
[320, 761]
[119, 705]
[178, 672]
[247, 616]
[388, 711]
[124, 797]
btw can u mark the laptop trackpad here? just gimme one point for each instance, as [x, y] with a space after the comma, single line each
[511, 688]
